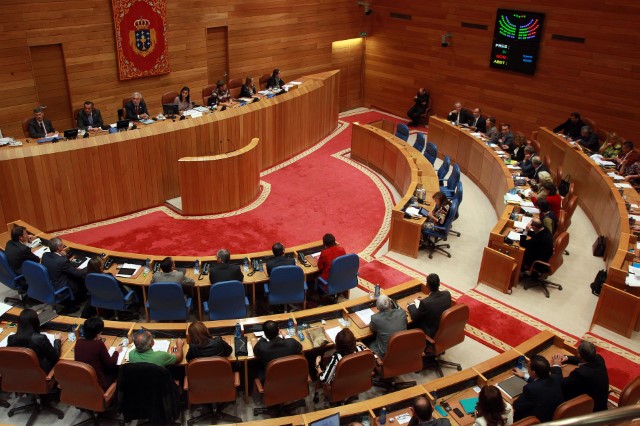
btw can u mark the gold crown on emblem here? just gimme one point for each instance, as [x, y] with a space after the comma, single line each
[142, 24]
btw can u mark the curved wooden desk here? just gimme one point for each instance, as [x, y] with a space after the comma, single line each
[406, 169]
[220, 183]
[67, 184]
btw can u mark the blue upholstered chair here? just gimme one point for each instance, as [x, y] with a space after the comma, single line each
[343, 275]
[165, 302]
[226, 301]
[402, 131]
[440, 233]
[458, 197]
[420, 141]
[286, 286]
[449, 188]
[431, 153]
[105, 293]
[444, 169]
[40, 287]
[11, 280]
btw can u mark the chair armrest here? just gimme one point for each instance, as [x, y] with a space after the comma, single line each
[129, 296]
[430, 340]
[539, 262]
[109, 394]
[246, 301]
[205, 306]
[189, 301]
[305, 286]
[266, 288]
[186, 383]
[379, 362]
[17, 278]
[258, 385]
[147, 304]
[49, 377]
[236, 379]
[323, 281]
[309, 381]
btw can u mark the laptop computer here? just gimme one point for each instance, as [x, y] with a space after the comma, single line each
[71, 134]
[122, 124]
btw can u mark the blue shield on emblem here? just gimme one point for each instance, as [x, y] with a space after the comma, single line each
[143, 40]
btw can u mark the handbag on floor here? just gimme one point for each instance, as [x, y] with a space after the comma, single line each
[598, 282]
[563, 188]
[600, 246]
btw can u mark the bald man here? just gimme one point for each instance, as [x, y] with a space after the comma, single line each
[537, 242]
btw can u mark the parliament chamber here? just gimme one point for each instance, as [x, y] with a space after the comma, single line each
[217, 162]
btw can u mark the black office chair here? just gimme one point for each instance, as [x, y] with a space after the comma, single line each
[436, 234]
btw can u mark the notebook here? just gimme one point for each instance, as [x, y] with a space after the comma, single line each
[469, 404]
[512, 386]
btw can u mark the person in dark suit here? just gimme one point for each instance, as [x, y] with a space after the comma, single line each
[479, 121]
[538, 167]
[459, 115]
[40, 127]
[136, 108]
[222, 270]
[279, 259]
[17, 250]
[571, 127]
[426, 313]
[589, 139]
[275, 82]
[541, 395]
[526, 165]
[385, 323]
[89, 118]
[273, 346]
[539, 245]
[590, 377]
[168, 273]
[421, 102]
[62, 272]
[201, 344]
[248, 89]
[505, 141]
[28, 336]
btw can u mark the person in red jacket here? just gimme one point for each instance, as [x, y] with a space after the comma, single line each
[330, 252]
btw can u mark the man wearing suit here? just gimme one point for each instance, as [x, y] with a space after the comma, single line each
[279, 259]
[40, 127]
[272, 346]
[589, 139]
[427, 312]
[571, 127]
[541, 395]
[590, 377]
[538, 167]
[136, 108]
[459, 115]
[222, 270]
[17, 250]
[386, 322]
[89, 118]
[479, 121]
[540, 244]
[505, 141]
[275, 82]
[169, 274]
[62, 272]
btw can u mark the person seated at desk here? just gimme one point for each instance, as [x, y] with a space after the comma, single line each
[136, 108]
[423, 414]
[62, 271]
[426, 312]
[91, 350]
[89, 118]
[492, 134]
[589, 139]
[519, 144]
[273, 346]
[571, 127]
[537, 242]
[590, 377]
[169, 274]
[549, 219]
[96, 266]
[384, 323]
[143, 352]
[201, 344]
[440, 211]
[478, 123]
[222, 270]
[221, 95]
[505, 141]
[40, 127]
[538, 167]
[632, 172]
[275, 82]
[345, 345]
[248, 89]
[526, 167]
[183, 100]
[548, 191]
[17, 250]
[626, 167]
[626, 148]
[420, 104]
[279, 258]
[541, 395]
[459, 115]
[28, 336]
[328, 254]
[492, 410]
[612, 146]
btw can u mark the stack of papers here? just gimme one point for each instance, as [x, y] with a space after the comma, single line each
[365, 315]
[615, 176]
[631, 281]
[128, 270]
[526, 204]
[412, 211]
[161, 345]
[622, 185]
[599, 160]
[530, 210]
[515, 236]
[332, 333]
[297, 83]
[121, 355]
[512, 198]
[42, 250]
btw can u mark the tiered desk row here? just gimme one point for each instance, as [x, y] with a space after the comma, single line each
[606, 205]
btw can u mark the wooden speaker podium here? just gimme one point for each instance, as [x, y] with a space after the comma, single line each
[220, 183]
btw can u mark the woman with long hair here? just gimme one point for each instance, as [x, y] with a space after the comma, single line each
[28, 336]
[345, 344]
[183, 100]
[201, 344]
[492, 410]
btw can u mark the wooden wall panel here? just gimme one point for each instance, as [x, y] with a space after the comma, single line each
[597, 78]
[262, 35]
[217, 56]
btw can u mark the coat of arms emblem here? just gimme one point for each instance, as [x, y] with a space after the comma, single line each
[143, 38]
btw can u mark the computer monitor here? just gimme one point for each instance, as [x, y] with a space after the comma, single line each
[170, 109]
[71, 133]
[122, 124]
[332, 420]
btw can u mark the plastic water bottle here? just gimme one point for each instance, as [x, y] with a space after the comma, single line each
[71, 336]
[521, 363]
[301, 335]
[376, 291]
[245, 265]
[290, 328]
[147, 267]
[238, 332]
[196, 267]
[383, 416]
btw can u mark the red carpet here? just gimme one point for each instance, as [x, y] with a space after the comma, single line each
[378, 273]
